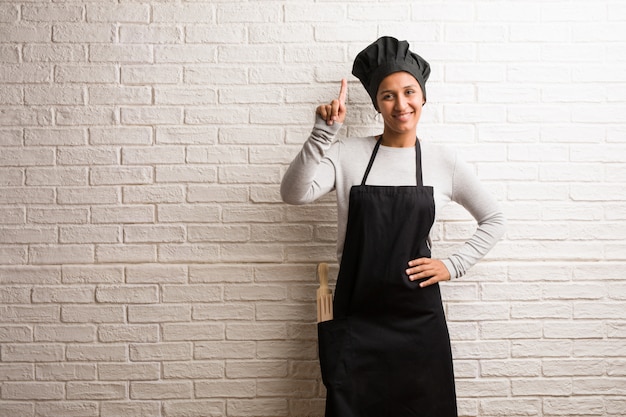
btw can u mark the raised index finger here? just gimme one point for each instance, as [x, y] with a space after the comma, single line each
[343, 92]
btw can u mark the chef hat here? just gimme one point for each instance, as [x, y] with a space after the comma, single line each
[386, 56]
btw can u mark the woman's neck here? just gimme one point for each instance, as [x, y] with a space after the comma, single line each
[394, 140]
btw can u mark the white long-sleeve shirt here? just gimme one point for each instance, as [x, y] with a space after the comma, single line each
[323, 165]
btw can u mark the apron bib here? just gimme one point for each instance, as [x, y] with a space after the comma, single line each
[387, 351]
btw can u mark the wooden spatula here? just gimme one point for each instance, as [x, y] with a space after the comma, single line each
[324, 295]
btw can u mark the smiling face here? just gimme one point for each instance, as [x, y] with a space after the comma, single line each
[400, 100]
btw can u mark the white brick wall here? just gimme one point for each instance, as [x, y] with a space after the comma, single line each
[148, 267]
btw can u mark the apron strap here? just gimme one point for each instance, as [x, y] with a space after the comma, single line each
[418, 162]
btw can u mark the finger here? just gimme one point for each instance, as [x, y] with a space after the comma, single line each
[343, 91]
[428, 282]
[334, 112]
[419, 261]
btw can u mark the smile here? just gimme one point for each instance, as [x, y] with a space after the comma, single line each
[403, 116]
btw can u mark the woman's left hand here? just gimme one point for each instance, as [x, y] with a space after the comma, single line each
[433, 269]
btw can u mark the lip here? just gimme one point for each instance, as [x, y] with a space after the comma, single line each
[403, 115]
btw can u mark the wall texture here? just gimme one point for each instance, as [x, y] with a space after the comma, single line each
[149, 268]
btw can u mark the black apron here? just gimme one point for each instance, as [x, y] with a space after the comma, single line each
[387, 351]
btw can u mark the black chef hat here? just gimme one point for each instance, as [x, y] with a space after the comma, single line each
[386, 56]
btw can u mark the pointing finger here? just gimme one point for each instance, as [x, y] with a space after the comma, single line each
[343, 92]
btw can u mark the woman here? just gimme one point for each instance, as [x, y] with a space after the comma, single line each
[387, 350]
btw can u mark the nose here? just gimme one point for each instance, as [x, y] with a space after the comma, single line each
[400, 103]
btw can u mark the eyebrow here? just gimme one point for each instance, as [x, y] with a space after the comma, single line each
[403, 88]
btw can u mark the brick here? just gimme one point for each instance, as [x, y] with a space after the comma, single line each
[573, 367]
[27, 235]
[265, 407]
[55, 137]
[104, 353]
[65, 372]
[156, 274]
[151, 115]
[124, 372]
[60, 254]
[184, 96]
[264, 331]
[54, 53]
[186, 135]
[197, 293]
[33, 391]
[81, 32]
[92, 274]
[153, 234]
[85, 74]
[510, 406]
[193, 370]
[127, 294]
[192, 331]
[237, 13]
[161, 390]
[186, 174]
[217, 155]
[194, 253]
[86, 195]
[128, 333]
[510, 368]
[145, 74]
[14, 295]
[153, 194]
[28, 156]
[120, 95]
[13, 255]
[17, 408]
[38, 33]
[222, 273]
[120, 175]
[11, 95]
[195, 408]
[161, 351]
[227, 388]
[52, 13]
[188, 53]
[129, 408]
[123, 214]
[158, 313]
[9, 54]
[67, 409]
[150, 34]
[30, 275]
[185, 13]
[218, 233]
[133, 13]
[32, 352]
[216, 115]
[17, 372]
[79, 116]
[224, 350]
[92, 314]
[65, 333]
[223, 312]
[196, 213]
[120, 53]
[257, 54]
[153, 155]
[95, 391]
[214, 74]
[56, 176]
[62, 295]
[126, 253]
[120, 136]
[573, 406]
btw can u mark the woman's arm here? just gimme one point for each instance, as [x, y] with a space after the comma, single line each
[310, 174]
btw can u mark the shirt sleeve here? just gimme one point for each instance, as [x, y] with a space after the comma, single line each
[469, 192]
[311, 174]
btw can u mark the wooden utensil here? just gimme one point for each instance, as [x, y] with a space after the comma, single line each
[324, 295]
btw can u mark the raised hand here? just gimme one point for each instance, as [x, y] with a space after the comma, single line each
[335, 111]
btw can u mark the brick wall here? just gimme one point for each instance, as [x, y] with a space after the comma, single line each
[149, 268]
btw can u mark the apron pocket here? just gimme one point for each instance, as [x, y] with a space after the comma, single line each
[333, 339]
